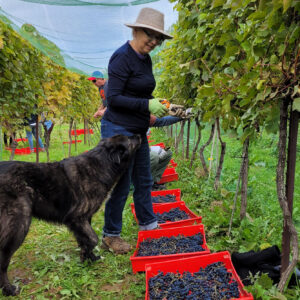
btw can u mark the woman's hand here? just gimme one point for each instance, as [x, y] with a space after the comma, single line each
[156, 108]
[99, 113]
[152, 120]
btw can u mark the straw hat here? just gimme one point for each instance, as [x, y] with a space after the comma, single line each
[152, 19]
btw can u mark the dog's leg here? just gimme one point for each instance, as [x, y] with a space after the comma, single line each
[11, 240]
[86, 238]
[7, 288]
[15, 220]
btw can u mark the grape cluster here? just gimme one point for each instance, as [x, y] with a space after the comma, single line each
[163, 199]
[211, 283]
[171, 245]
[174, 214]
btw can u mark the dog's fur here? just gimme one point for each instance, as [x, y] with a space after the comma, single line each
[68, 192]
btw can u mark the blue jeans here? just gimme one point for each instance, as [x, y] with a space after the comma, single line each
[140, 175]
[29, 135]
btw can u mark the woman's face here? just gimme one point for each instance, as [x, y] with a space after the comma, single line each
[146, 40]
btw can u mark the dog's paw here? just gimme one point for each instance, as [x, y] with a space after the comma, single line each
[10, 290]
[94, 257]
[89, 257]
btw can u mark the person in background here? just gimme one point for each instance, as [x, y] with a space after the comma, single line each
[48, 127]
[101, 83]
[129, 105]
[159, 157]
[30, 128]
[159, 160]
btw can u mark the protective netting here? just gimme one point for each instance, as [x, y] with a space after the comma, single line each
[95, 2]
[80, 35]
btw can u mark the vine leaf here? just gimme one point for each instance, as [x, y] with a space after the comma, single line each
[296, 104]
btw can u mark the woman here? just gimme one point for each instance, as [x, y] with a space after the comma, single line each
[129, 98]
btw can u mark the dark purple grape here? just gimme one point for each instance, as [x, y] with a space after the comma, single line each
[163, 198]
[211, 283]
[173, 215]
[171, 245]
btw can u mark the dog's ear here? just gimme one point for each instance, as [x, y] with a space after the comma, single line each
[118, 153]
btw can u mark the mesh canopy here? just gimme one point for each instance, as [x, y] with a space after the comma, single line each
[78, 34]
[95, 2]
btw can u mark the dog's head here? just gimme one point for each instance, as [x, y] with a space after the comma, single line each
[121, 148]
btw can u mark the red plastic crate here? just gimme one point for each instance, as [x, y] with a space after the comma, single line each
[139, 262]
[21, 140]
[169, 175]
[78, 132]
[175, 192]
[91, 131]
[173, 163]
[162, 145]
[20, 151]
[24, 151]
[73, 142]
[193, 264]
[162, 208]
[82, 131]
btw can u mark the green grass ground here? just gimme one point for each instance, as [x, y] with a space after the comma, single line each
[47, 265]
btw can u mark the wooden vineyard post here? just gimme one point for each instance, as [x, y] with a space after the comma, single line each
[244, 187]
[70, 136]
[198, 127]
[221, 158]
[282, 196]
[37, 137]
[201, 151]
[75, 135]
[1, 145]
[187, 155]
[290, 184]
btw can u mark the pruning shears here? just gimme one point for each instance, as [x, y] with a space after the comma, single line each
[165, 102]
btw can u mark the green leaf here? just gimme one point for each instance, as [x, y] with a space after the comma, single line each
[286, 5]
[281, 49]
[296, 90]
[235, 4]
[244, 102]
[246, 46]
[217, 3]
[206, 90]
[259, 51]
[1, 42]
[296, 104]
[229, 71]
[205, 76]
[65, 292]
[265, 281]
[259, 85]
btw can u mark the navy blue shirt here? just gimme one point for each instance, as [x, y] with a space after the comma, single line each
[130, 86]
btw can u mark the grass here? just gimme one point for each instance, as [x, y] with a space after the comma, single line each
[47, 265]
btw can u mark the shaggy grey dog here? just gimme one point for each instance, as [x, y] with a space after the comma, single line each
[68, 192]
